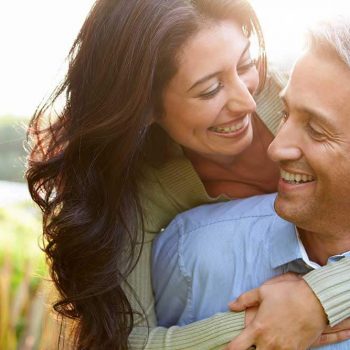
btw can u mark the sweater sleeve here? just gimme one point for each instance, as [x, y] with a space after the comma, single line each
[331, 284]
[212, 333]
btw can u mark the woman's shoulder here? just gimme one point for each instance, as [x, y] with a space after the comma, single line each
[169, 189]
[164, 191]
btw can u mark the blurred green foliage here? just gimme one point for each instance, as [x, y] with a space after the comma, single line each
[25, 320]
[20, 229]
[12, 152]
[22, 269]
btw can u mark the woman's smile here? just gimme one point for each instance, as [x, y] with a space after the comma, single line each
[233, 128]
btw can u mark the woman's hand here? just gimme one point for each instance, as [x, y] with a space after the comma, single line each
[288, 317]
[334, 334]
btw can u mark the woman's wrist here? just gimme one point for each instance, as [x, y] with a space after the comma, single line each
[331, 285]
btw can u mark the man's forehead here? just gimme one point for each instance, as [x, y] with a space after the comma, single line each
[319, 84]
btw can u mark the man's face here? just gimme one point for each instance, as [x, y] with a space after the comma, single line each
[312, 146]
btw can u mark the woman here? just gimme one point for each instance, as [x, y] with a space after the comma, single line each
[143, 136]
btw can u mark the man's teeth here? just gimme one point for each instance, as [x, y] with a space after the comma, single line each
[227, 130]
[295, 178]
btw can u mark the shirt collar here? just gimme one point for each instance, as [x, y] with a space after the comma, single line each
[303, 252]
[311, 263]
[285, 245]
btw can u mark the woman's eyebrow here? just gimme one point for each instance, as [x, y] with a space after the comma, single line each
[202, 80]
[212, 75]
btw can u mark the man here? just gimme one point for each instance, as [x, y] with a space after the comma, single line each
[211, 254]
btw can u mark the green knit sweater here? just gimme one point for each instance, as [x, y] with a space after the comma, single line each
[175, 187]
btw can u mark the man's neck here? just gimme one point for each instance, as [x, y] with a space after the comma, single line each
[320, 247]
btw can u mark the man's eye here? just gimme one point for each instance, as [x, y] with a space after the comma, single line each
[317, 135]
[246, 66]
[283, 118]
[212, 91]
[283, 115]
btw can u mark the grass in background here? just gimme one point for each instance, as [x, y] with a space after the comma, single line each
[25, 320]
[23, 297]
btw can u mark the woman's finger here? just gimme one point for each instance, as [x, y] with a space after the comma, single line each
[243, 342]
[253, 298]
[288, 317]
[330, 338]
[342, 326]
[247, 299]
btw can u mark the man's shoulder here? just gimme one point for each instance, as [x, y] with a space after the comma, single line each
[206, 245]
[237, 209]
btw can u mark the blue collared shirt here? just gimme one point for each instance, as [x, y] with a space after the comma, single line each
[211, 254]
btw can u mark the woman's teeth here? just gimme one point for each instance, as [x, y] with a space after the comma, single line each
[296, 178]
[227, 130]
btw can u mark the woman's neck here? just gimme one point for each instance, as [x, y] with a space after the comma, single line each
[247, 174]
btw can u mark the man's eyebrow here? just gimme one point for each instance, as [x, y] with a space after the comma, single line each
[247, 47]
[282, 95]
[212, 75]
[313, 113]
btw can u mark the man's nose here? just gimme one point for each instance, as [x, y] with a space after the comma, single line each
[286, 146]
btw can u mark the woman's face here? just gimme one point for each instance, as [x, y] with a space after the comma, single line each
[208, 103]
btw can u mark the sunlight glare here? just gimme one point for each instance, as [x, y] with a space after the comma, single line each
[284, 24]
[35, 37]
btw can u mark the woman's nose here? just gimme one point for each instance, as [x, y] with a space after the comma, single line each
[240, 98]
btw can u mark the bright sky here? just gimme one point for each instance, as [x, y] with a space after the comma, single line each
[285, 21]
[35, 37]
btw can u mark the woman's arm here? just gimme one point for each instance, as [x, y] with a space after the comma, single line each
[303, 315]
[212, 333]
[331, 284]
[294, 302]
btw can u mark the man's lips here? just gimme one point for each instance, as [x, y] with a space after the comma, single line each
[294, 177]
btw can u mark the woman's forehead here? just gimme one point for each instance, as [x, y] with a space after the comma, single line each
[215, 47]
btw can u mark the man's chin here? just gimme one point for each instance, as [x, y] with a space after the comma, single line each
[286, 210]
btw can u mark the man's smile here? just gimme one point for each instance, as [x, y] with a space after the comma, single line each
[295, 178]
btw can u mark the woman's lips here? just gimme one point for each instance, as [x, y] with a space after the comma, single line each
[232, 127]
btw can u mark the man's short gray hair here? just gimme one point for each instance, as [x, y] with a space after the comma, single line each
[334, 34]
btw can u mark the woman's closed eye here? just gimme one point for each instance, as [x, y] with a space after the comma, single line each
[212, 91]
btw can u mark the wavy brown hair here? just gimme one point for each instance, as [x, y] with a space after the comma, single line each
[85, 160]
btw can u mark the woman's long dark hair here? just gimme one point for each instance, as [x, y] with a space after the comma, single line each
[85, 160]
